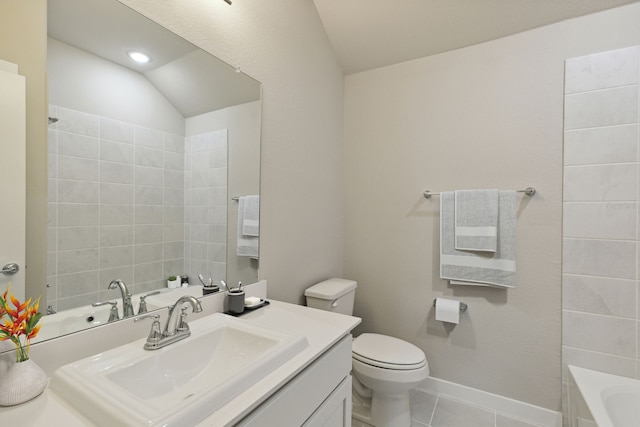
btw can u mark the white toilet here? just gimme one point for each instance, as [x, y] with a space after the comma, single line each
[384, 368]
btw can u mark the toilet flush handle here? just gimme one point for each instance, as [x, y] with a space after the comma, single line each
[334, 304]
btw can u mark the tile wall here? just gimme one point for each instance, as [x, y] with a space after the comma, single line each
[206, 205]
[116, 207]
[600, 225]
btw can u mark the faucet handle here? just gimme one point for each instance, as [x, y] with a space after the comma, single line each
[154, 335]
[113, 313]
[143, 303]
[183, 326]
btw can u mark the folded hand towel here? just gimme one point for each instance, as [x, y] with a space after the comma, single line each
[476, 220]
[251, 217]
[480, 268]
[246, 245]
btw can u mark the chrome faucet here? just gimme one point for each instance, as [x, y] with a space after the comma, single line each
[174, 329]
[142, 307]
[127, 307]
[113, 313]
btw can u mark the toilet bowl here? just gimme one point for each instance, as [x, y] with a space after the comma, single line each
[384, 368]
[387, 368]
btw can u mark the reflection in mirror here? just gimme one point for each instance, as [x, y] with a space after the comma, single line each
[150, 164]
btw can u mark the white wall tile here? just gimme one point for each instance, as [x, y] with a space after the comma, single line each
[599, 295]
[148, 253]
[174, 161]
[616, 220]
[602, 70]
[78, 168]
[116, 173]
[148, 234]
[174, 179]
[601, 159]
[116, 131]
[116, 256]
[117, 217]
[611, 144]
[600, 183]
[119, 152]
[116, 193]
[174, 196]
[70, 214]
[152, 177]
[124, 273]
[116, 235]
[77, 261]
[77, 238]
[148, 195]
[601, 108]
[116, 214]
[151, 138]
[605, 334]
[149, 157]
[174, 143]
[70, 144]
[70, 285]
[148, 214]
[71, 191]
[77, 122]
[605, 258]
[147, 272]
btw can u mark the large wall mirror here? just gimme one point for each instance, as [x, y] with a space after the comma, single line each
[153, 167]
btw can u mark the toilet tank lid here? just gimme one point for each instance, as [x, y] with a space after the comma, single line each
[331, 289]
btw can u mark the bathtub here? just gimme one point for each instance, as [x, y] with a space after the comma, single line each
[597, 399]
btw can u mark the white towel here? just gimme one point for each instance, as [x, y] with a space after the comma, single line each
[475, 267]
[246, 245]
[476, 220]
[251, 218]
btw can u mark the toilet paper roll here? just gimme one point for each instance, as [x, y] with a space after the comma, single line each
[448, 310]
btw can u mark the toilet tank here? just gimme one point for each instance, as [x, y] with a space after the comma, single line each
[335, 295]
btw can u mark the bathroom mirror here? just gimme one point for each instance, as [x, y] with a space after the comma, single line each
[148, 162]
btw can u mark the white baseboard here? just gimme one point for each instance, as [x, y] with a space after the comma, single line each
[503, 405]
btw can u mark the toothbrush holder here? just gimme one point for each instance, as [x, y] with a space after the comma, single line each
[235, 301]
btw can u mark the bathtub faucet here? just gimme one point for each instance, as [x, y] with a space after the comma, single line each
[127, 307]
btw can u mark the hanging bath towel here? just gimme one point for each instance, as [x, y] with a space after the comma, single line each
[476, 220]
[477, 267]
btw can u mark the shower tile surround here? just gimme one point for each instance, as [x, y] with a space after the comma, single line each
[132, 203]
[600, 208]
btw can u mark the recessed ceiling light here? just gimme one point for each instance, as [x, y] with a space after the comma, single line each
[139, 57]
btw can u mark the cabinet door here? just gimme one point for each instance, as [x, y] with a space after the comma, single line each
[336, 410]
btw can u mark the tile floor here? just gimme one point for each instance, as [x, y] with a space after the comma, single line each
[430, 410]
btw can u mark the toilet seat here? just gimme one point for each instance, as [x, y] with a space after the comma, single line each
[387, 352]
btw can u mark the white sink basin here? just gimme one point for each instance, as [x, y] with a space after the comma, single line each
[177, 385]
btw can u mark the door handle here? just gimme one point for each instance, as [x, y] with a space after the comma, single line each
[10, 269]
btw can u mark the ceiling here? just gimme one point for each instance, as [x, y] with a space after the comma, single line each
[194, 81]
[367, 34]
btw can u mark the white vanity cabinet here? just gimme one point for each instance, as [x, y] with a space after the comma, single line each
[320, 396]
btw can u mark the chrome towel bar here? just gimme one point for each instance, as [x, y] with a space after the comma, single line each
[529, 191]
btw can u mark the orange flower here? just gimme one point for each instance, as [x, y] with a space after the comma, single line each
[19, 321]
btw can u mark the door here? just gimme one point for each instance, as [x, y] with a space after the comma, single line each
[12, 176]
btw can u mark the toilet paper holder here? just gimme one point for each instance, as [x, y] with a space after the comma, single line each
[463, 306]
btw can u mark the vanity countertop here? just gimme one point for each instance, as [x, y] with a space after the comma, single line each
[322, 329]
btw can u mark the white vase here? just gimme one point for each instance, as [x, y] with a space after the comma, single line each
[22, 382]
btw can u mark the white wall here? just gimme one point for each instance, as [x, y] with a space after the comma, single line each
[486, 116]
[282, 44]
[600, 277]
[84, 82]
